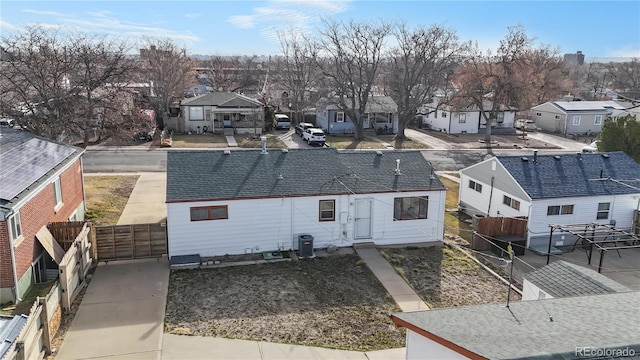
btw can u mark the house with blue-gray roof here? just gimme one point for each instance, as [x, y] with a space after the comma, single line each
[561, 189]
[253, 201]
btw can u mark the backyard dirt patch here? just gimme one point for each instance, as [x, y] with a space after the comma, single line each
[476, 141]
[246, 141]
[333, 302]
[107, 196]
[443, 276]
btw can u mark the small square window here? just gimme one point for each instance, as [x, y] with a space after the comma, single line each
[340, 116]
[327, 210]
[566, 210]
[553, 210]
[576, 121]
[444, 114]
[410, 208]
[475, 186]
[462, 118]
[603, 211]
[597, 120]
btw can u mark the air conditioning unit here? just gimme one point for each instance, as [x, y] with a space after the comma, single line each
[305, 246]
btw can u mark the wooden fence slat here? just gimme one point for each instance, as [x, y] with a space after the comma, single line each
[134, 241]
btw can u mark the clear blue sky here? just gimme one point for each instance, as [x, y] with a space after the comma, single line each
[597, 28]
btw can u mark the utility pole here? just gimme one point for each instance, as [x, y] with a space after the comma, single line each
[510, 251]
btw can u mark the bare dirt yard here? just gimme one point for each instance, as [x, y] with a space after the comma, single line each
[333, 301]
[476, 141]
[443, 276]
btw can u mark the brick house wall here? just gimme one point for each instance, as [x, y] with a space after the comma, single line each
[6, 271]
[37, 212]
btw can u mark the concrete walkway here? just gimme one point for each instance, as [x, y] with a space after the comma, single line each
[121, 315]
[231, 141]
[559, 141]
[177, 347]
[147, 201]
[399, 290]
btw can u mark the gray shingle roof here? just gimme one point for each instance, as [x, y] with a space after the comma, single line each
[223, 99]
[524, 330]
[212, 175]
[375, 104]
[574, 175]
[560, 279]
[9, 330]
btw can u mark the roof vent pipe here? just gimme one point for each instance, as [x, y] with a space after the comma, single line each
[579, 155]
[263, 140]
[535, 155]
[397, 171]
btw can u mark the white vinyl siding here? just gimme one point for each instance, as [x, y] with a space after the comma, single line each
[257, 225]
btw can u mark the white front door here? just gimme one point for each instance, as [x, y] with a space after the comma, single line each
[366, 123]
[362, 225]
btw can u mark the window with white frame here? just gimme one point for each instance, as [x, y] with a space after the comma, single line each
[327, 210]
[475, 186]
[462, 118]
[410, 208]
[513, 203]
[603, 211]
[597, 120]
[559, 210]
[57, 193]
[196, 113]
[15, 228]
[576, 121]
[339, 116]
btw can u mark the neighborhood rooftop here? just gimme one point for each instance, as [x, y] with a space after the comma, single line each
[563, 279]
[540, 329]
[221, 99]
[565, 175]
[587, 105]
[217, 175]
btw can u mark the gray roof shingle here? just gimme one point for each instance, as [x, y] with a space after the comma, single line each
[213, 175]
[568, 175]
[560, 279]
[524, 330]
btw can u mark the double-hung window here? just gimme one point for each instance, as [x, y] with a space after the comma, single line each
[327, 210]
[513, 203]
[475, 186]
[15, 228]
[462, 118]
[339, 116]
[57, 193]
[560, 210]
[603, 211]
[576, 120]
[597, 120]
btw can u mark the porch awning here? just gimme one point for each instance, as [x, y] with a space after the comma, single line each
[50, 244]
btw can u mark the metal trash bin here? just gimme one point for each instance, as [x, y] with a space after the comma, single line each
[305, 246]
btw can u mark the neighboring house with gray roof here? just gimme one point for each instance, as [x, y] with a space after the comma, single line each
[381, 114]
[245, 201]
[41, 181]
[575, 117]
[561, 189]
[563, 279]
[596, 326]
[220, 112]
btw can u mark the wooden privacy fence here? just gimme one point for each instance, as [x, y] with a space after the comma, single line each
[74, 266]
[66, 232]
[497, 226]
[34, 339]
[120, 242]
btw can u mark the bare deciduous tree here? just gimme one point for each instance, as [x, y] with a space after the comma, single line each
[418, 66]
[626, 78]
[350, 61]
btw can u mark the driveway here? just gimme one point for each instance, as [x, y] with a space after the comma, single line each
[559, 141]
[431, 141]
[121, 315]
[293, 140]
[147, 201]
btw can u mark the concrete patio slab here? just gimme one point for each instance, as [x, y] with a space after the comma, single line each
[272, 351]
[179, 347]
[147, 201]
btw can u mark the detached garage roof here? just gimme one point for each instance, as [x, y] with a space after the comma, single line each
[218, 175]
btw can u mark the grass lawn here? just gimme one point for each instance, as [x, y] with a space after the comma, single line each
[333, 302]
[402, 144]
[199, 141]
[24, 306]
[107, 196]
[273, 142]
[347, 142]
[454, 222]
[444, 276]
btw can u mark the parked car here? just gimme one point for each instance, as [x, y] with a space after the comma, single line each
[591, 148]
[282, 122]
[314, 136]
[302, 127]
[526, 124]
[6, 122]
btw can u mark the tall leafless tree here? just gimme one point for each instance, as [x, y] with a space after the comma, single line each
[51, 81]
[625, 77]
[169, 70]
[351, 54]
[418, 66]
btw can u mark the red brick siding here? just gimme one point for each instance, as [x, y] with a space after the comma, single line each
[39, 211]
[6, 271]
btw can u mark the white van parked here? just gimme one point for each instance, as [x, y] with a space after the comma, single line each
[282, 122]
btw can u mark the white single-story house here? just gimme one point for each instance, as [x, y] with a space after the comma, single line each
[251, 201]
[575, 117]
[564, 279]
[220, 112]
[562, 189]
[469, 120]
[381, 114]
[580, 327]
